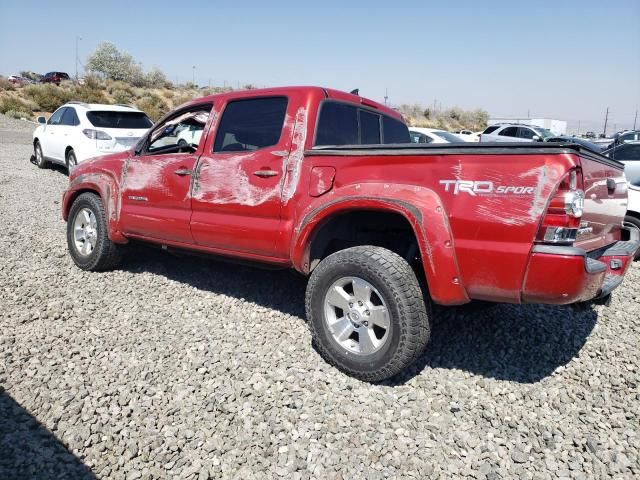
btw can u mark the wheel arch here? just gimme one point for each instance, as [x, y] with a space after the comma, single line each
[107, 190]
[417, 209]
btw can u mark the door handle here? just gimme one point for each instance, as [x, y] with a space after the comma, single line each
[182, 172]
[265, 173]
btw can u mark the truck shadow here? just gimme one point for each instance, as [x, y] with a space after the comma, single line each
[29, 451]
[520, 343]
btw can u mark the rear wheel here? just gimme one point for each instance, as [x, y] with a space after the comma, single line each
[633, 221]
[367, 313]
[71, 160]
[87, 239]
[40, 160]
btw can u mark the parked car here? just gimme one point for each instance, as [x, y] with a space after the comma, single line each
[328, 183]
[632, 218]
[629, 155]
[432, 135]
[513, 132]
[18, 80]
[78, 131]
[54, 77]
[625, 137]
[579, 141]
[467, 136]
[590, 135]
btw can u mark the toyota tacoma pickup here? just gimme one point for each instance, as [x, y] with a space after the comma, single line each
[329, 184]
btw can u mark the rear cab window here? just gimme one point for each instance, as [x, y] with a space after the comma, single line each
[114, 119]
[251, 124]
[346, 124]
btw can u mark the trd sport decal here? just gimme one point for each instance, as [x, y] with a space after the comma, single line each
[484, 187]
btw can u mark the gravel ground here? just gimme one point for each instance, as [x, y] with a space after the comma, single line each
[188, 368]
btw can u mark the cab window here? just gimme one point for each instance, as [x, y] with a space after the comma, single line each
[180, 133]
[248, 125]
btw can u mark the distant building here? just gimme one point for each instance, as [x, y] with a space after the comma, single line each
[557, 127]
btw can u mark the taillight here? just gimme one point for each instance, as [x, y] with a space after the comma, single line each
[96, 134]
[562, 219]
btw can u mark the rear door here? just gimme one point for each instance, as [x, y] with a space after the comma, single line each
[238, 194]
[508, 134]
[155, 193]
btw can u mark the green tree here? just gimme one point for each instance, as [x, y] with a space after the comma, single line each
[111, 63]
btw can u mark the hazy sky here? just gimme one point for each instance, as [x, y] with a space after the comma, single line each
[565, 59]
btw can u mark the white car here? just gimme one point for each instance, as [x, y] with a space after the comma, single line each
[468, 135]
[633, 208]
[432, 135]
[513, 132]
[78, 131]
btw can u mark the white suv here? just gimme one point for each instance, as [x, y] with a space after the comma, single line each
[78, 131]
[513, 132]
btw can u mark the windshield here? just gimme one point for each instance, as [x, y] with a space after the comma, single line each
[132, 120]
[449, 137]
[543, 132]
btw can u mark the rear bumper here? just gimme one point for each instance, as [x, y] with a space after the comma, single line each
[564, 275]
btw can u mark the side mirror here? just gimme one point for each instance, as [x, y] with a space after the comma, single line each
[536, 138]
[41, 120]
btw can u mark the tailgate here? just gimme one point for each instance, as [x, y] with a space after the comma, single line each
[605, 203]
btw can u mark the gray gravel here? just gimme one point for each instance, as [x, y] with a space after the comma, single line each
[188, 368]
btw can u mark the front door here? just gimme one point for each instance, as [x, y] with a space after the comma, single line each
[52, 140]
[157, 181]
[239, 189]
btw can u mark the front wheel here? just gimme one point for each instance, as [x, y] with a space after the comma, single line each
[367, 313]
[40, 160]
[87, 239]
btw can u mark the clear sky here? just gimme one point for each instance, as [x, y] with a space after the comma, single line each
[566, 59]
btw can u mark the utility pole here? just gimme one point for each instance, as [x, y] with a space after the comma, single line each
[386, 97]
[606, 118]
[578, 134]
[528, 113]
[193, 78]
[78, 38]
[635, 120]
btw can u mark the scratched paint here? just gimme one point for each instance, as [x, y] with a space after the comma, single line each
[228, 182]
[145, 175]
[294, 163]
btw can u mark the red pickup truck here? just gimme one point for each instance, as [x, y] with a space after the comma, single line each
[327, 183]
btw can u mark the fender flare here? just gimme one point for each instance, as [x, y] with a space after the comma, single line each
[107, 188]
[420, 206]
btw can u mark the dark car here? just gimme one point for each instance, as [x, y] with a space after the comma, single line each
[54, 77]
[625, 137]
[629, 154]
[579, 141]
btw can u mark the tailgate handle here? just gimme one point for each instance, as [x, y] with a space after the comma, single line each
[611, 185]
[182, 172]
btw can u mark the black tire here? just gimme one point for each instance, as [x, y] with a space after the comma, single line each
[636, 223]
[40, 160]
[71, 160]
[106, 254]
[398, 286]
